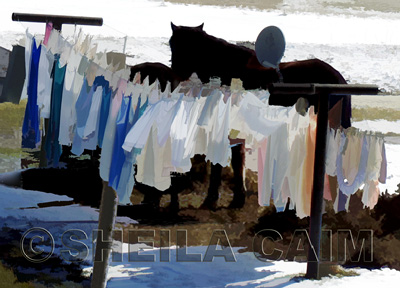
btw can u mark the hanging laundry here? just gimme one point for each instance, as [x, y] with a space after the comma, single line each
[360, 163]
[179, 133]
[349, 187]
[30, 126]
[88, 113]
[127, 180]
[28, 58]
[49, 27]
[109, 133]
[84, 99]
[52, 145]
[118, 155]
[70, 96]
[333, 144]
[196, 140]
[219, 151]
[371, 189]
[45, 81]
[138, 135]
[154, 164]
[104, 111]
[56, 43]
[275, 165]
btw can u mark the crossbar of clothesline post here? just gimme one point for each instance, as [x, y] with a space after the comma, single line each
[109, 203]
[323, 91]
[57, 20]
[316, 89]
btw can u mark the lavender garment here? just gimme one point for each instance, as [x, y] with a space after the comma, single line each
[351, 188]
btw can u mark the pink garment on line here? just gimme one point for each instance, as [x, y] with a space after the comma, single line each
[49, 27]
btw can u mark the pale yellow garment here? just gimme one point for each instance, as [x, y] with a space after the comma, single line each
[295, 171]
[351, 158]
[298, 128]
[91, 73]
[154, 163]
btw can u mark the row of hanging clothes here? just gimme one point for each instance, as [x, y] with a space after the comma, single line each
[280, 144]
[89, 104]
[66, 83]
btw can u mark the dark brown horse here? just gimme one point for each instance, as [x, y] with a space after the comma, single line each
[194, 51]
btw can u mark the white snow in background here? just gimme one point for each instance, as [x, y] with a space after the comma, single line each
[143, 18]
[383, 126]
[363, 48]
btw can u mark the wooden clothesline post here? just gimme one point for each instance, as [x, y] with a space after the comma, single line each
[323, 92]
[109, 203]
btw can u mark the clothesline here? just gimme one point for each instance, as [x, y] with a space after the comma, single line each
[89, 104]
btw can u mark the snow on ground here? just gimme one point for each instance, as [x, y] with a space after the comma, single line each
[364, 46]
[23, 204]
[245, 271]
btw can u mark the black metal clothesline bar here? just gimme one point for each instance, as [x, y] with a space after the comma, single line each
[323, 92]
[315, 89]
[57, 20]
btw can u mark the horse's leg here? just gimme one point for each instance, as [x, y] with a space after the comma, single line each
[179, 182]
[238, 154]
[215, 181]
[152, 196]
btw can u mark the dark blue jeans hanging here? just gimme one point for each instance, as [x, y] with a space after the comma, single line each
[104, 109]
[30, 126]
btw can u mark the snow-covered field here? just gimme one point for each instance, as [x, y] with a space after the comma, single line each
[363, 45]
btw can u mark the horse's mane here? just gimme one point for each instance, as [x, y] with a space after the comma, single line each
[197, 34]
[193, 50]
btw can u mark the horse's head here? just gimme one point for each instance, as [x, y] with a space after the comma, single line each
[176, 28]
[185, 47]
[182, 35]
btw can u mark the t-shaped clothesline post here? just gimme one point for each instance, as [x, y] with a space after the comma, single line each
[108, 206]
[57, 20]
[323, 92]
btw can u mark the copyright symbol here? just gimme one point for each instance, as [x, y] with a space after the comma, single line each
[30, 242]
